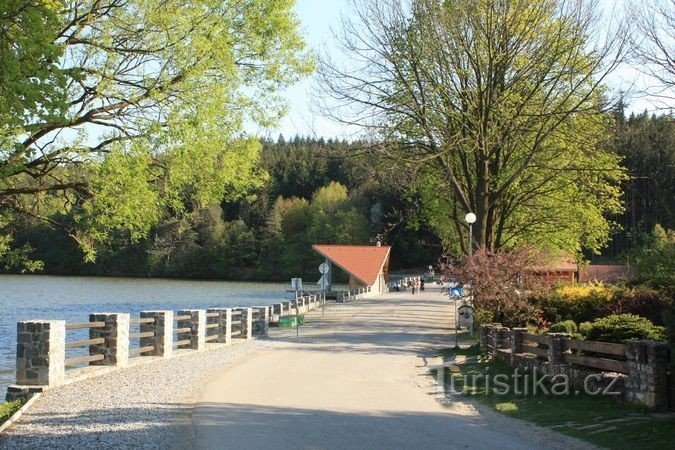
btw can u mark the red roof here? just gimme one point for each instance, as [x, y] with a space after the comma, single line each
[362, 262]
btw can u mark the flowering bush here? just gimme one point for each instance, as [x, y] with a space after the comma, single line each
[494, 279]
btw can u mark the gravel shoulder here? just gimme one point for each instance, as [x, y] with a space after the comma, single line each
[144, 406]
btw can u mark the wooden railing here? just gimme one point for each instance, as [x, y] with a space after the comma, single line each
[641, 364]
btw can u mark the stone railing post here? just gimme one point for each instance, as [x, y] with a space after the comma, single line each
[115, 348]
[491, 340]
[41, 352]
[163, 329]
[516, 342]
[263, 320]
[647, 373]
[197, 325]
[501, 336]
[484, 330]
[556, 347]
[224, 321]
[246, 319]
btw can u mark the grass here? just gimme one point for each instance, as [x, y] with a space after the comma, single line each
[7, 409]
[622, 426]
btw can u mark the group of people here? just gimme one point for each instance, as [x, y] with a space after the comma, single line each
[415, 284]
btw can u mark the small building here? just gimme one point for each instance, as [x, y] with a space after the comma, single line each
[556, 271]
[366, 265]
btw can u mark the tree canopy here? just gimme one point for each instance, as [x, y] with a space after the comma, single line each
[155, 94]
[497, 107]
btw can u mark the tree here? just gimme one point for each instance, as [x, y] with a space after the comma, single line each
[496, 107]
[495, 283]
[156, 90]
[653, 45]
[32, 85]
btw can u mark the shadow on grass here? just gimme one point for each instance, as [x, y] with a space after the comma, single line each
[596, 419]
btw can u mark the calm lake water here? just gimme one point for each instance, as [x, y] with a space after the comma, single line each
[27, 297]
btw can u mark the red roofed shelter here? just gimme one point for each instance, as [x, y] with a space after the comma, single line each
[366, 265]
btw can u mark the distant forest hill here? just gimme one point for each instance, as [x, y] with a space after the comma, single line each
[316, 191]
[328, 191]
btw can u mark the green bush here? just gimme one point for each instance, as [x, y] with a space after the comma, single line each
[619, 328]
[301, 319]
[585, 328]
[576, 302]
[7, 409]
[642, 300]
[566, 326]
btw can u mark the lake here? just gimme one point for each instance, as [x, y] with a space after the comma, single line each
[27, 297]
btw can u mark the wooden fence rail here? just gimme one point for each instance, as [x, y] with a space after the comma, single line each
[638, 369]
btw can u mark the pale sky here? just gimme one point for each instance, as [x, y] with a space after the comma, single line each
[319, 17]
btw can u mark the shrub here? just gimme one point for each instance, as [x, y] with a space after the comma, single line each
[566, 326]
[495, 284]
[655, 259]
[585, 328]
[641, 300]
[578, 302]
[619, 328]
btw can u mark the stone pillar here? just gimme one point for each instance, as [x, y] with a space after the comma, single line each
[556, 347]
[492, 339]
[41, 352]
[647, 381]
[246, 322]
[115, 348]
[197, 325]
[516, 342]
[163, 329]
[293, 309]
[484, 335]
[224, 321]
[262, 322]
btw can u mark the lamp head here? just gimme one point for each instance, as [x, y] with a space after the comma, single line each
[470, 218]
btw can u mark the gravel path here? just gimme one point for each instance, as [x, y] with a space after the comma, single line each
[144, 406]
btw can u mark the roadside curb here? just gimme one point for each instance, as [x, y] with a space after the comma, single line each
[17, 415]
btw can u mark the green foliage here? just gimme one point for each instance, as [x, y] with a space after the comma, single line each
[158, 92]
[509, 128]
[585, 328]
[32, 85]
[578, 302]
[566, 326]
[7, 409]
[655, 259]
[619, 328]
[643, 300]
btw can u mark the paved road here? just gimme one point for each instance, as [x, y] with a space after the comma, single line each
[354, 380]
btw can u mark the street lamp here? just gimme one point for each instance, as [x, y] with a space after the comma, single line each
[470, 219]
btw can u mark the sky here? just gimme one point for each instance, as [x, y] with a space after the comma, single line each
[318, 19]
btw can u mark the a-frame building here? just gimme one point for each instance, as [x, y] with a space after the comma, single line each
[366, 265]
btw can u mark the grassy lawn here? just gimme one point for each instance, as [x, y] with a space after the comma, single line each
[592, 418]
[9, 408]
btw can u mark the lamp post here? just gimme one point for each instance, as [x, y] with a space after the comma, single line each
[470, 219]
